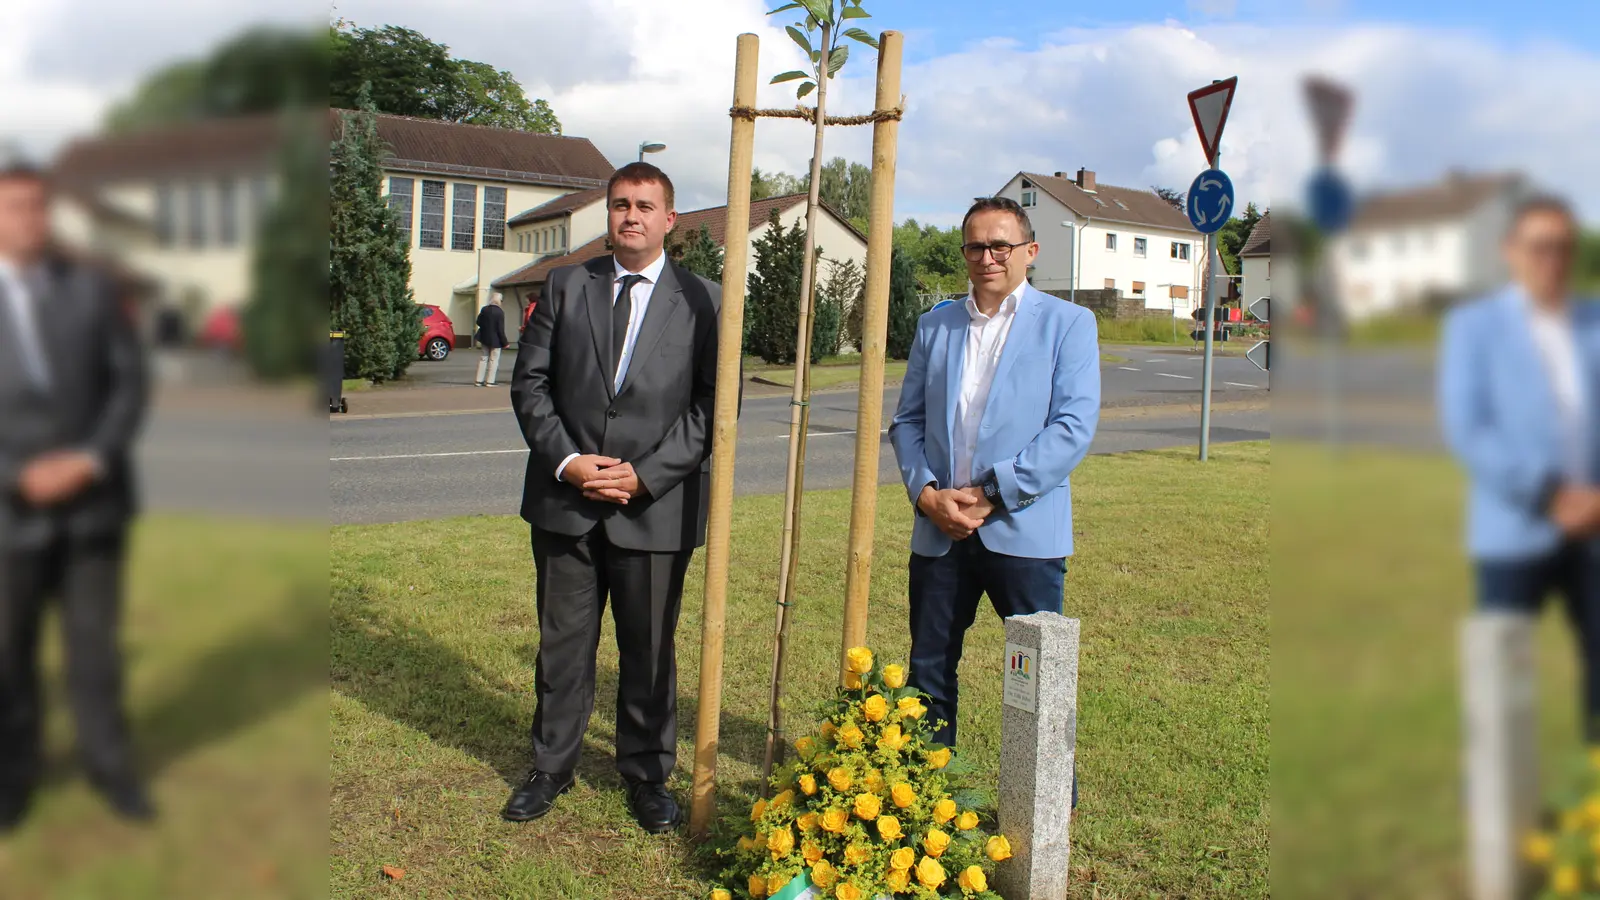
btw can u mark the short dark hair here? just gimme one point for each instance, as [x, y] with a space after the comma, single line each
[1540, 203]
[999, 204]
[15, 164]
[640, 173]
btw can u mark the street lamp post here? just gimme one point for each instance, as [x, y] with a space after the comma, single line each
[650, 147]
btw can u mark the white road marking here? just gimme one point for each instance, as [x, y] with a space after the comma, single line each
[1237, 384]
[809, 434]
[1129, 369]
[1170, 375]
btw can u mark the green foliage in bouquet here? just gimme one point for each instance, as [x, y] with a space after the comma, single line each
[869, 807]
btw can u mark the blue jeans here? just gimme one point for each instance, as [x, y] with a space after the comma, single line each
[945, 591]
[1523, 586]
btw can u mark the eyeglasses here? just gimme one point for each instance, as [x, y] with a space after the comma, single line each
[1000, 250]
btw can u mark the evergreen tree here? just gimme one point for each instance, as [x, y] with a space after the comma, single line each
[370, 266]
[841, 291]
[772, 301]
[700, 255]
[904, 306]
[285, 317]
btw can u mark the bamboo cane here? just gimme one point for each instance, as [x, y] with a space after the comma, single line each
[874, 334]
[799, 420]
[724, 434]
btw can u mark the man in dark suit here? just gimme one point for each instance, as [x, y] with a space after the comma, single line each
[613, 387]
[72, 394]
[492, 340]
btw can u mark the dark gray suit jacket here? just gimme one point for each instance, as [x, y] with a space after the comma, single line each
[660, 421]
[95, 402]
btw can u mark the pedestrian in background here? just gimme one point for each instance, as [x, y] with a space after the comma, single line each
[491, 340]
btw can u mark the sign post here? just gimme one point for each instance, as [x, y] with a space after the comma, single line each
[1331, 204]
[1210, 204]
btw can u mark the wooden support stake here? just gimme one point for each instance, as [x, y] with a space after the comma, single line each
[724, 435]
[874, 334]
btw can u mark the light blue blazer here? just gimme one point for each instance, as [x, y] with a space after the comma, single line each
[1042, 412]
[1500, 419]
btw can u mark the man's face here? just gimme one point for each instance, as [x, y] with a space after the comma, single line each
[24, 216]
[1540, 251]
[638, 217]
[994, 227]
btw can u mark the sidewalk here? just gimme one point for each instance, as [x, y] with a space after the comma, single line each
[461, 399]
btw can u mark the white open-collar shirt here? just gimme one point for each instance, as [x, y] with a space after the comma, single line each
[986, 340]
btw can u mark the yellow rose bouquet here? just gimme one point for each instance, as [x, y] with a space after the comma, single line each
[867, 807]
[1567, 849]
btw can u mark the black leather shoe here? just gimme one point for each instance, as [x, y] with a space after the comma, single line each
[127, 797]
[653, 807]
[536, 797]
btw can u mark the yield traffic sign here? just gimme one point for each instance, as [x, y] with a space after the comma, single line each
[1209, 107]
[1330, 113]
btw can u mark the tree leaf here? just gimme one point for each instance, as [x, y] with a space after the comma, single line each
[836, 60]
[795, 5]
[821, 10]
[862, 36]
[789, 76]
[856, 12]
[800, 38]
[805, 89]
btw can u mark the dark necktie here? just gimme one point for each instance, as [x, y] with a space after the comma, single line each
[620, 312]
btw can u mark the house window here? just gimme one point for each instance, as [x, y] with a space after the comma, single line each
[400, 197]
[227, 212]
[1111, 242]
[1111, 284]
[195, 218]
[166, 216]
[1138, 289]
[1030, 199]
[464, 221]
[432, 225]
[494, 218]
[1139, 246]
[260, 197]
[1180, 250]
[563, 237]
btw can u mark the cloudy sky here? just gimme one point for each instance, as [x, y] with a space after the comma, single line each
[991, 88]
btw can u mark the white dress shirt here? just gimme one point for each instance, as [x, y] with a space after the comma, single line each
[22, 315]
[986, 339]
[640, 299]
[1557, 344]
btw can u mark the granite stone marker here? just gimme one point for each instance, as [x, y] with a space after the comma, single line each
[1501, 762]
[1038, 735]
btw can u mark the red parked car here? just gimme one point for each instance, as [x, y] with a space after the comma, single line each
[438, 334]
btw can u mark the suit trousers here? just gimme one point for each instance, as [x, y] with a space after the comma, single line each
[86, 574]
[488, 363]
[575, 577]
[1523, 586]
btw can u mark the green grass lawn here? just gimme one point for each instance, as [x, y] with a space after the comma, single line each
[226, 642]
[434, 636]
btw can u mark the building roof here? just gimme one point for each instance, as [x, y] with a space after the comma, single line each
[1115, 204]
[714, 218]
[560, 206]
[418, 145]
[1259, 241]
[1457, 195]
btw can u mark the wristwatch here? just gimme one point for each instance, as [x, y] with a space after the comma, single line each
[991, 487]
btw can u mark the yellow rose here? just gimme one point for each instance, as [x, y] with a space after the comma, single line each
[972, 879]
[807, 822]
[889, 828]
[1591, 810]
[1572, 820]
[852, 681]
[823, 874]
[939, 758]
[860, 659]
[783, 799]
[898, 881]
[840, 779]
[935, 842]
[903, 795]
[929, 872]
[758, 810]
[776, 883]
[856, 854]
[720, 894]
[874, 781]
[851, 736]
[867, 807]
[835, 820]
[1566, 880]
[911, 707]
[805, 747]
[903, 859]
[944, 810]
[894, 677]
[827, 730]
[998, 848]
[892, 738]
[758, 886]
[810, 853]
[875, 708]
[746, 844]
[808, 784]
[968, 821]
[848, 891]
[781, 842]
[1594, 842]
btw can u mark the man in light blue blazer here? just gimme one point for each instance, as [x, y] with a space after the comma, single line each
[1519, 377]
[1000, 401]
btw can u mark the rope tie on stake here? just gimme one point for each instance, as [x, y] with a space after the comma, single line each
[809, 114]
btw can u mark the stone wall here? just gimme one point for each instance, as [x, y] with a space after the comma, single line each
[1108, 303]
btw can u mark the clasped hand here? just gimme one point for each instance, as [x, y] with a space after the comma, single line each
[957, 512]
[55, 478]
[604, 478]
